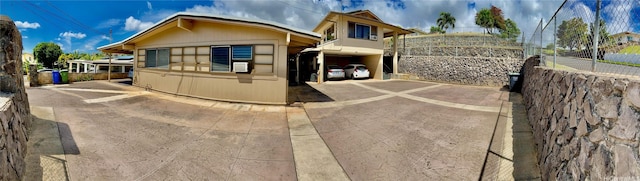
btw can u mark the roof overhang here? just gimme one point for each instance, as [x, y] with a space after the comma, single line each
[185, 21]
[388, 29]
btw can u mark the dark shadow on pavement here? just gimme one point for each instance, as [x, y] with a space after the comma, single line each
[48, 143]
[305, 93]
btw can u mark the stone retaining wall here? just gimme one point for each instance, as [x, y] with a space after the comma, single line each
[482, 71]
[15, 116]
[586, 126]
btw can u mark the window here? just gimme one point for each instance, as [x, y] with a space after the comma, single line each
[329, 33]
[243, 52]
[629, 38]
[151, 58]
[220, 59]
[362, 31]
[157, 58]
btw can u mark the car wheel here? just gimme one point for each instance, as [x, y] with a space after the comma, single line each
[353, 77]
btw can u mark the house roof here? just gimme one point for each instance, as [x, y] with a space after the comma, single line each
[363, 13]
[359, 15]
[625, 33]
[113, 48]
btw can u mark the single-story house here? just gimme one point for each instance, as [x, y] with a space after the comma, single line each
[625, 37]
[118, 64]
[216, 57]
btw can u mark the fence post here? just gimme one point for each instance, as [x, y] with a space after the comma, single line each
[541, 32]
[555, 48]
[596, 37]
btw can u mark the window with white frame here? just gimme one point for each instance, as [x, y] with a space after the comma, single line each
[362, 31]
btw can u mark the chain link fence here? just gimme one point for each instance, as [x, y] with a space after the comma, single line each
[461, 44]
[590, 35]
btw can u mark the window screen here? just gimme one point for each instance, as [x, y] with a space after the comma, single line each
[163, 58]
[151, 58]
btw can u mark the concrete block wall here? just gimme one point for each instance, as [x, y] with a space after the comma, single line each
[46, 77]
[482, 71]
[15, 116]
[586, 126]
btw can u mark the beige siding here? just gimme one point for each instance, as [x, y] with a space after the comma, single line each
[266, 88]
[352, 42]
[374, 64]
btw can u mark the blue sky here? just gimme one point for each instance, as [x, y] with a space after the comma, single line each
[84, 25]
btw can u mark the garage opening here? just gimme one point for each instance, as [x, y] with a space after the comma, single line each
[373, 63]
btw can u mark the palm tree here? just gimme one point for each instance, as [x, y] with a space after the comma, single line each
[446, 20]
[484, 19]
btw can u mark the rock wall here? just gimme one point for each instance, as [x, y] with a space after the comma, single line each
[482, 71]
[15, 116]
[586, 126]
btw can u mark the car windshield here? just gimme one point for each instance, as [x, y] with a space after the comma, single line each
[361, 68]
[333, 67]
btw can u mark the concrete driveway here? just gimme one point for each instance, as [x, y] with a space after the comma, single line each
[357, 130]
[112, 133]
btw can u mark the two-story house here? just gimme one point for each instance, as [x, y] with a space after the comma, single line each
[353, 37]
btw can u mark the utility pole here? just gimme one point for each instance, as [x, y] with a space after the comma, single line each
[109, 70]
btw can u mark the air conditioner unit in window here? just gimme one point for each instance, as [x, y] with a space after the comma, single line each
[242, 67]
[374, 37]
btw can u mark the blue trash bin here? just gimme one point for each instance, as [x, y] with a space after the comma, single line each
[57, 79]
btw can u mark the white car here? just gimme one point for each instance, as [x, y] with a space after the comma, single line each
[356, 71]
[334, 72]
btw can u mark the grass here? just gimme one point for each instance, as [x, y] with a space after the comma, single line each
[620, 63]
[635, 49]
[558, 66]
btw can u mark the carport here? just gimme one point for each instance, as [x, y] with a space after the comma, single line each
[311, 60]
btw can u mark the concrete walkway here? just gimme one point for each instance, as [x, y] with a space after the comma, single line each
[382, 130]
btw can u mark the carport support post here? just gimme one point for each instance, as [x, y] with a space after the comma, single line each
[395, 53]
[320, 72]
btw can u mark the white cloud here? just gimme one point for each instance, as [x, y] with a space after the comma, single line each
[618, 17]
[26, 24]
[67, 36]
[133, 24]
[108, 23]
[307, 14]
[25, 37]
[70, 34]
[149, 6]
[90, 45]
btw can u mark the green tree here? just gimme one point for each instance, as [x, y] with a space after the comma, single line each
[549, 46]
[572, 33]
[511, 30]
[603, 36]
[435, 29]
[47, 53]
[445, 21]
[62, 60]
[484, 19]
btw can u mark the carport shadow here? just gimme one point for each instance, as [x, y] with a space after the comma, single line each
[48, 143]
[305, 93]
